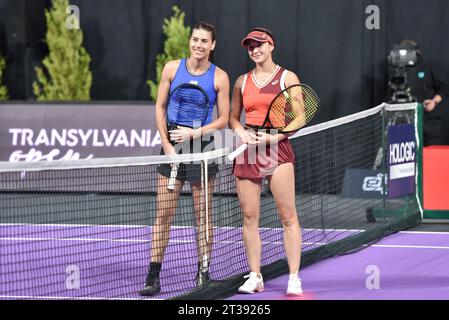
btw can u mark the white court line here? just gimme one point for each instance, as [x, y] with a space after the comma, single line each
[111, 226]
[424, 232]
[141, 241]
[70, 239]
[147, 240]
[407, 247]
[114, 240]
[71, 298]
[174, 227]
[83, 225]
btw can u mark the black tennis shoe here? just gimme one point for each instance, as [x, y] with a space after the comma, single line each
[152, 287]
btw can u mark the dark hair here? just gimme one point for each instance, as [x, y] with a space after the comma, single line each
[265, 30]
[412, 44]
[203, 25]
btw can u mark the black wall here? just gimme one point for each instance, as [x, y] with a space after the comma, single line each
[324, 41]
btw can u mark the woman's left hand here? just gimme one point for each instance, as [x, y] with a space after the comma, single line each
[182, 134]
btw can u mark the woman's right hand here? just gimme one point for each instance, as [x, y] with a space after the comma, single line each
[247, 136]
[169, 149]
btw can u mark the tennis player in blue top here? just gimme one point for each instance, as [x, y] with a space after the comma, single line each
[199, 70]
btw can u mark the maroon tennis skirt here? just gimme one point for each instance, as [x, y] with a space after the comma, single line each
[261, 161]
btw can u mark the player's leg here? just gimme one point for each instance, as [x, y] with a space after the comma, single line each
[204, 243]
[166, 207]
[249, 196]
[282, 185]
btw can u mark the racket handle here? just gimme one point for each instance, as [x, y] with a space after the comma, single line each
[237, 152]
[173, 174]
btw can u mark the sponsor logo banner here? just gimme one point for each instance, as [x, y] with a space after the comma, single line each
[401, 156]
[39, 132]
[363, 183]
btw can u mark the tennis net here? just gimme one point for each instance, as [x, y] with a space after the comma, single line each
[83, 229]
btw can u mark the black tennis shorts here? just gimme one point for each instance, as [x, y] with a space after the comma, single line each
[191, 171]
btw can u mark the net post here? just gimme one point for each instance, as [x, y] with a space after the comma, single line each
[204, 215]
[419, 114]
[383, 114]
[206, 188]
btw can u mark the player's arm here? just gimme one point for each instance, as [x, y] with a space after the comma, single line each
[221, 83]
[161, 104]
[237, 107]
[290, 80]
[236, 113]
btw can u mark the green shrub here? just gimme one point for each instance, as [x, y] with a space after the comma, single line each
[3, 89]
[176, 46]
[67, 75]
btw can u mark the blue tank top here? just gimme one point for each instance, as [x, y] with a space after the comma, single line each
[206, 81]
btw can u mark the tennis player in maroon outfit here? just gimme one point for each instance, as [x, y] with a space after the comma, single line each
[269, 156]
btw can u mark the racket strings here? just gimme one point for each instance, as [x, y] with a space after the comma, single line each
[188, 106]
[293, 109]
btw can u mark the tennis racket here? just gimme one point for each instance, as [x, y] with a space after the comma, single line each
[188, 106]
[289, 111]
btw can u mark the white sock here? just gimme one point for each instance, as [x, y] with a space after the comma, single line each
[293, 276]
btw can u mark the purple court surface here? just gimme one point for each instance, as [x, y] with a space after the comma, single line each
[409, 265]
[38, 261]
[111, 262]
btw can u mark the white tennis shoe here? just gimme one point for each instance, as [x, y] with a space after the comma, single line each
[294, 288]
[253, 284]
